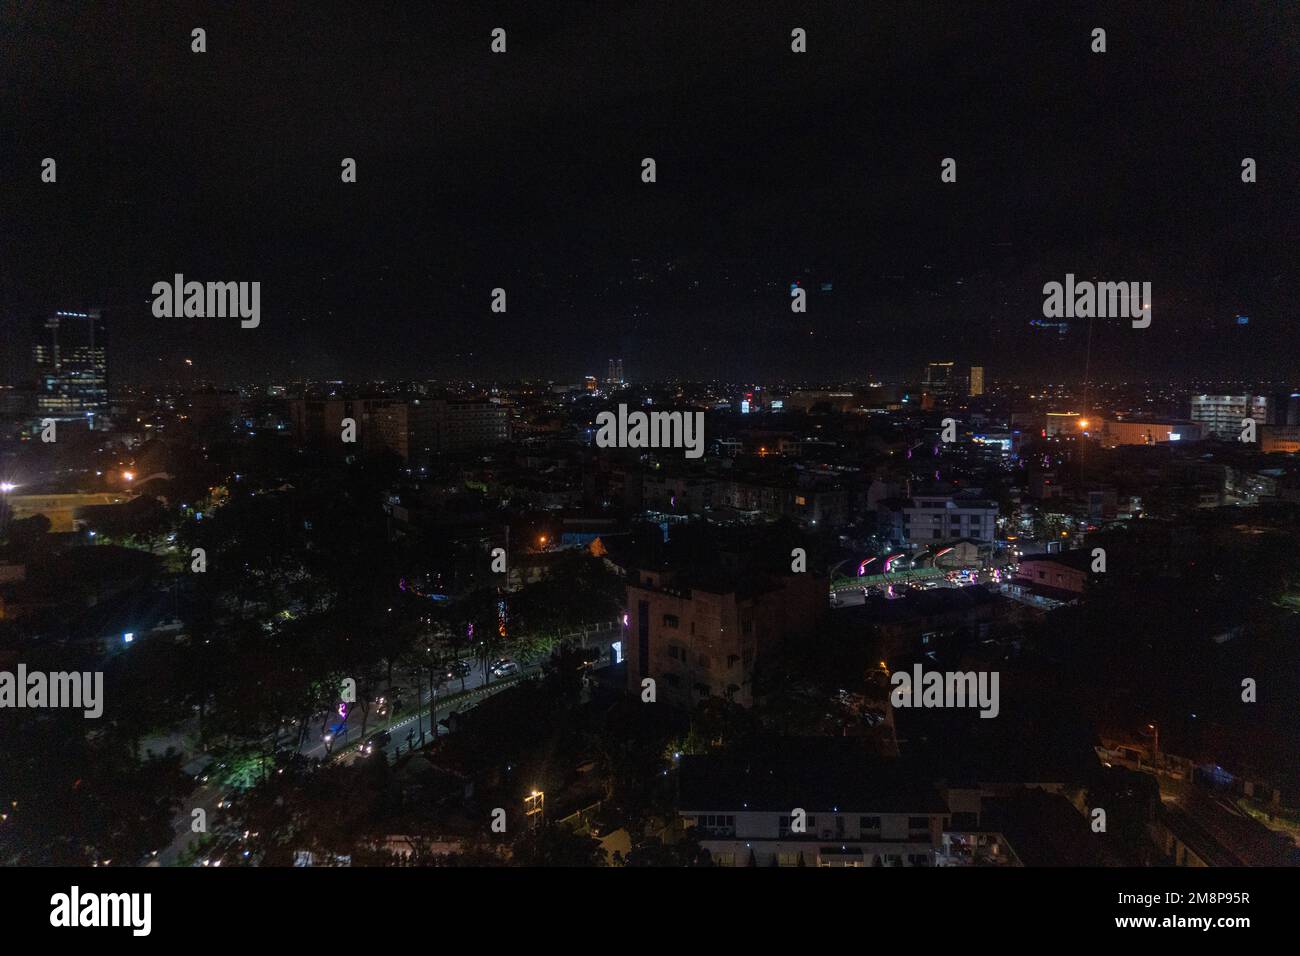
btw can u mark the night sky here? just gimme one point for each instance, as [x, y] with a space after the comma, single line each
[522, 170]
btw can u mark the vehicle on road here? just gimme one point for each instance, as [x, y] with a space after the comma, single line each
[199, 768]
[377, 742]
[505, 669]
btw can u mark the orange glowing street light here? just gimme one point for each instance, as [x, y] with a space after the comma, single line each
[535, 807]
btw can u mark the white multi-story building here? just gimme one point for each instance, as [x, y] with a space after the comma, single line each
[931, 519]
[1222, 415]
[851, 816]
[821, 804]
[765, 838]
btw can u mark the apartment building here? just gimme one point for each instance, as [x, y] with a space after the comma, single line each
[414, 429]
[933, 518]
[816, 802]
[1222, 415]
[698, 639]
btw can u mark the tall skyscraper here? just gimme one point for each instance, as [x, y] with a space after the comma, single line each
[615, 376]
[71, 366]
[976, 381]
[938, 378]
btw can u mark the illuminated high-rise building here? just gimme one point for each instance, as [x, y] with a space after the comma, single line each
[71, 366]
[938, 378]
[615, 376]
[976, 381]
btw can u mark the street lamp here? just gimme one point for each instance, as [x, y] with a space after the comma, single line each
[534, 805]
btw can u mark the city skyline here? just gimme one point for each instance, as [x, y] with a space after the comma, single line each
[641, 435]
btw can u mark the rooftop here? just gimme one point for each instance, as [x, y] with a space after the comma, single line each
[822, 774]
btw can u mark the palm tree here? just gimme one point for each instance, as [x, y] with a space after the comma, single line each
[485, 651]
[483, 624]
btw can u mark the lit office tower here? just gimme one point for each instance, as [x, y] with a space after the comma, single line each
[615, 376]
[71, 366]
[938, 377]
[976, 381]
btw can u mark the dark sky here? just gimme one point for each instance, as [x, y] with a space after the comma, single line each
[523, 171]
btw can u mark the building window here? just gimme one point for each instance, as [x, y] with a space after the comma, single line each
[783, 825]
[918, 823]
[868, 824]
[670, 620]
[717, 824]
